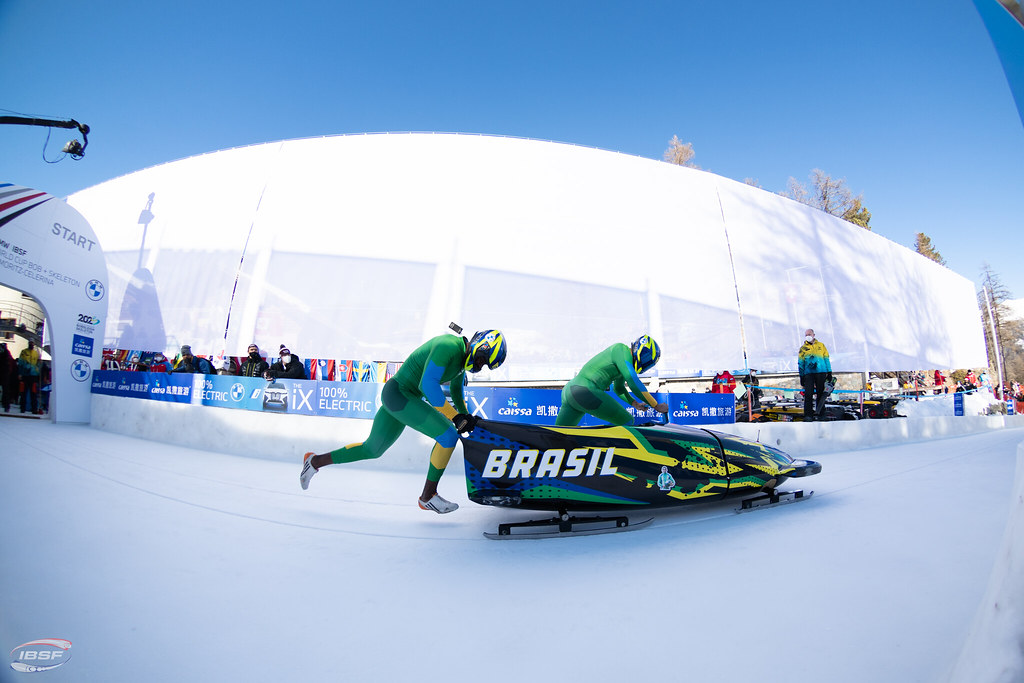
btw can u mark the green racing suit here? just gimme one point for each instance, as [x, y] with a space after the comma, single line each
[414, 398]
[587, 392]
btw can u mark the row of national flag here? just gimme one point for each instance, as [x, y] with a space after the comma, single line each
[350, 370]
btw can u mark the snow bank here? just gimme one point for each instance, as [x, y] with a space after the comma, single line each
[941, 405]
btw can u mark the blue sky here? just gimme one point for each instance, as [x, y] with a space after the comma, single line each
[907, 101]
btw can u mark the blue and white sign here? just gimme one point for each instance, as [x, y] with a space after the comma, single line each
[95, 290]
[540, 407]
[225, 391]
[155, 386]
[82, 346]
[362, 399]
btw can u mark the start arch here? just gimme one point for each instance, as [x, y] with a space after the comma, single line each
[50, 252]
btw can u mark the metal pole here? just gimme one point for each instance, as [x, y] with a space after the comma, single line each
[736, 284]
[995, 338]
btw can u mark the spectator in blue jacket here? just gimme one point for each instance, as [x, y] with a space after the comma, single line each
[194, 364]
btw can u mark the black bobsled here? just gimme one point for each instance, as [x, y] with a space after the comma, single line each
[610, 468]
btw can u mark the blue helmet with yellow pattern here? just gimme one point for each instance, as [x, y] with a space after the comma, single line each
[487, 347]
[646, 353]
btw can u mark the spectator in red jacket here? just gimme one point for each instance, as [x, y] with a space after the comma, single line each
[724, 383]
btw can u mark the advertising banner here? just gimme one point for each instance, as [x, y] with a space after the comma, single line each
[149, 385]
[361, 400]
[302, 397]
[540, 406]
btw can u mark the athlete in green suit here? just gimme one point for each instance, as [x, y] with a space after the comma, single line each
[414, 398]
[617, 367]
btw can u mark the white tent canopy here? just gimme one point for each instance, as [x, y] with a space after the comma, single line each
[363, 246]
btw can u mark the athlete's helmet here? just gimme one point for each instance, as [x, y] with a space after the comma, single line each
[487, 347]
[646, 353]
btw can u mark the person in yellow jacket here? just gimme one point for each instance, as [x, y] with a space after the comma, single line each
[815, 367]
[28, 368]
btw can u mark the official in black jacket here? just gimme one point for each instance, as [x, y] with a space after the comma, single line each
[287, 367]
[254, 365]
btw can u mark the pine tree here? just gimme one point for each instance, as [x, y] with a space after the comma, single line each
[923, 246]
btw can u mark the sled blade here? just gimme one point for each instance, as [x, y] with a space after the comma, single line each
[558, 528]
[773, 499]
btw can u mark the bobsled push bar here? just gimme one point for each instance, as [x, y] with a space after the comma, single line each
[566, 525]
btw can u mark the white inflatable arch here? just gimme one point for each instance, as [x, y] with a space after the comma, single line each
[50, 252]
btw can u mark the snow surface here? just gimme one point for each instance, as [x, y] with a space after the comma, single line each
[163, 563]
[941, 405]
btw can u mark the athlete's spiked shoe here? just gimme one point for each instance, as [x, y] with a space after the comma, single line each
[438, 505]
[307, 470]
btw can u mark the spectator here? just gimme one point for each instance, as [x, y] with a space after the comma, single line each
[614, 368]
[288, 366]
[815, 367]
[193, 364]
[753, 388]
[159, 363]
[414, 397]
[8, 377]
[254, 365]
[45, 379]
[28, 368]
[724, 383]
[939, 380]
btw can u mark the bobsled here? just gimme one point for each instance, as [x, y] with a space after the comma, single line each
[618, 469]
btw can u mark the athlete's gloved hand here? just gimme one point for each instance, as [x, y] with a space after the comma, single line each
[464, 423]
[661, 407]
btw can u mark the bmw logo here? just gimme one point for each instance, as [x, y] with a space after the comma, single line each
[237, 391]
[95, 290]
[80, 370]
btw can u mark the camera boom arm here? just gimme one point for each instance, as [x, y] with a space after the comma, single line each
[73, 147]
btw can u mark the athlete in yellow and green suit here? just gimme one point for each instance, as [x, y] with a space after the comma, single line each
[414, 398]
[618, 368]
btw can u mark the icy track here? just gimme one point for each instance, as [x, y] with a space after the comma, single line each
[161, 563]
